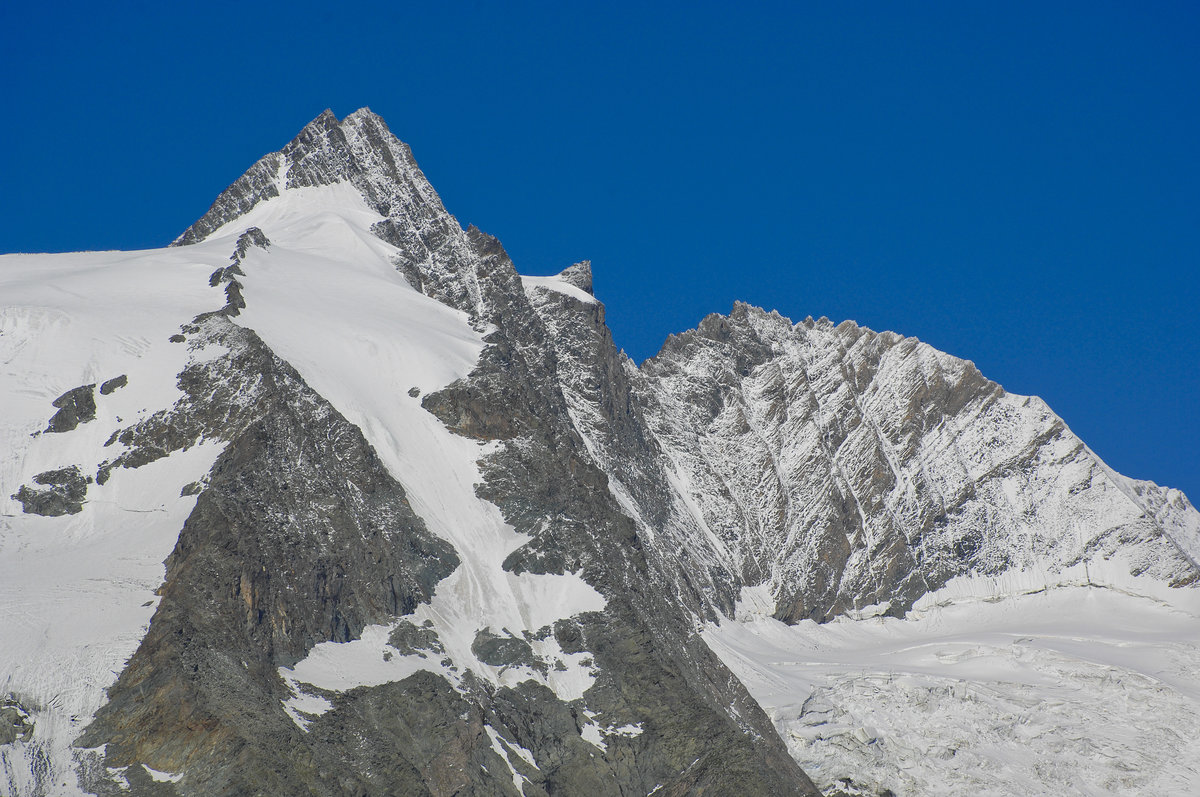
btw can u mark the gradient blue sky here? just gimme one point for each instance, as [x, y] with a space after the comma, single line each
[1015, 183]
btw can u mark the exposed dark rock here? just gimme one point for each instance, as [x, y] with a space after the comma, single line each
[410, 639]
[418, 736]
[300, 537]
[15, 722]
[76, 406]
[64, 493]
[252, 236]
[503, 651]
[113, 384]
[650, 664]
[579, 275]
[234, 301]
[569, 635]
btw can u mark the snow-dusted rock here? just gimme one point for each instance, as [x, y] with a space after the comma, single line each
[845, 468]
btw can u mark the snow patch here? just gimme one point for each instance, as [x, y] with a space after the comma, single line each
[163, 777]
[366, 661]
[558, 285]
[303, 706]
[595, 732]
[629, 731]
[505, 749]
[591, 732]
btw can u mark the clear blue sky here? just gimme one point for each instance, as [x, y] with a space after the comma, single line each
[1015, 183]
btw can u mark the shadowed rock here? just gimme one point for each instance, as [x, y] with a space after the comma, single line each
[113, 384]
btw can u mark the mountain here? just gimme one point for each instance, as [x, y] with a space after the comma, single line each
[326, 498]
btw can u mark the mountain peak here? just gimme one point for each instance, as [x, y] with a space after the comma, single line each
[364, 113]
[359, 149]
[433, 251]
[325, 120]
[372, 539]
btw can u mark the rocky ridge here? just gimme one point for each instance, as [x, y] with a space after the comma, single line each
[844, 468]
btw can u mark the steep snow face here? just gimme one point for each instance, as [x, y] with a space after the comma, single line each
[326, 297]
[1012, 685]
[78, 591]
[843, 468]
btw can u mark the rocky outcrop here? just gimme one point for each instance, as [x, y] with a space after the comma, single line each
[700, 731]
[15, 722]
[63, 493]
[76, 406]
[116, 383]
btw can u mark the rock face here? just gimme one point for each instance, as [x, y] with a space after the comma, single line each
[843, 467]
[14, 722]
[320, 628]
[300, 536]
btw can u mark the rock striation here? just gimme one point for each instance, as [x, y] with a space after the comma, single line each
[843, 468]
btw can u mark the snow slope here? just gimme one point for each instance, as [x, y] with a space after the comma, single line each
[78, 592]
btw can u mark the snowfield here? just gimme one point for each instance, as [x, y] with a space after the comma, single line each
[1013, 686]
[78, 591]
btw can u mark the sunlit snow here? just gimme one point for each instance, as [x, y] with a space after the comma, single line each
[995, 686]
[78, 591]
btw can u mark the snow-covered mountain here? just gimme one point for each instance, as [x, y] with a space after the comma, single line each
[326, 498]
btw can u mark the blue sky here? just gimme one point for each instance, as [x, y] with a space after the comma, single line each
[1016, 184]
